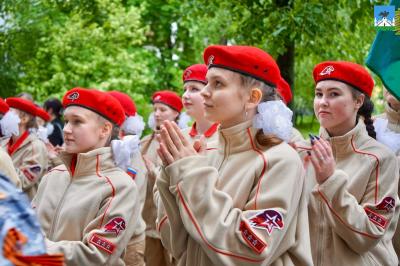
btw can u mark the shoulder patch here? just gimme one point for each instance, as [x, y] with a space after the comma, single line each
[131, 172]
[377, 219]
[387, 204]
[268, 219]
[251, 238]
[102, 243]
[116, 225]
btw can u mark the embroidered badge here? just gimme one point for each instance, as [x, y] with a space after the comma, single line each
[268, 219]
[35, 169]
[131, 172]
[377, 219]
[73, 96]
[102, 243]
[327, 71]
[251, 238]
[157, 98]
[116, 225]
[188, 73]
[210, 60]
[387, 204]
[28, 175]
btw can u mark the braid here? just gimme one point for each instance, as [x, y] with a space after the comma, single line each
[366, 112]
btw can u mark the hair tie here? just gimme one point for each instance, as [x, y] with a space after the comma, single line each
[124, 149]
[274, 117]
[9, 124]
[184, 120]
[134, 125]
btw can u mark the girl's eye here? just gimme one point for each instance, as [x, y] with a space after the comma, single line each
[318, 94]
[334, 94]
[195, 90]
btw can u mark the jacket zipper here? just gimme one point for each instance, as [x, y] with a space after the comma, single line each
[320, 237]
[55, 220]
[225, 153]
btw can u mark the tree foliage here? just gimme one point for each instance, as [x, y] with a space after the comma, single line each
[140, 46]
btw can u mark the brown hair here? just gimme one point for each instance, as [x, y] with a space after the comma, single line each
[32, 123]
[268, 94]
[365, 111]
[114, 131]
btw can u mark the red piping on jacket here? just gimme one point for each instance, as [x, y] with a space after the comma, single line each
[112, 188]
[264, 166]
[205, 240]
[164, 219]
[376, 167]
[340, 219]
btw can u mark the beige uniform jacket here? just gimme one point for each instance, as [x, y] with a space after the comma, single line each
[30, 160]
[354, 213]
[149, 146]
[7, 168]
[241, 204]
[91, 215]
[296, 136]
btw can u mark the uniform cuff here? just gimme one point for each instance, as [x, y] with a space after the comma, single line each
[332, 185]
[179, 169]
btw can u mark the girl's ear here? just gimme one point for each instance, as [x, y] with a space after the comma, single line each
[360, 101]
[255, 98]
[106, 130]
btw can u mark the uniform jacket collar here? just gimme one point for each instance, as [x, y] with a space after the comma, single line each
[31, 137]
[237, 139]
[89, 163]
[343, 145]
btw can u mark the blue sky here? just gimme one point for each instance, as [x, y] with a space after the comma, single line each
[379, 9]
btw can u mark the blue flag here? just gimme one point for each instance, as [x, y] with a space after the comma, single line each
[384, 57]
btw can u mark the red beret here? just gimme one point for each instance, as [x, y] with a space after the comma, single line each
[195, 72]
[3, 107]
[126, 102]
[22, 104]
[97, 101]
[346, 72]
[40, 112]
[284, 91]
[169, 98]
[246, 60]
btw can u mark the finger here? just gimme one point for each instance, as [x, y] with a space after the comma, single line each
[327, 147]
[173, 133]
[166, 154]
[161, 155]
[315, 162]
[147, 162]
[183, 139]
[316, 149]
[167, 141]
[321, 148]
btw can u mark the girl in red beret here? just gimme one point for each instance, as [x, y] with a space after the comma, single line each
[194, 80]
[167, 106]
[352, 179]
[240, 202]
[88, 207]
[130, 132]
[29, 154]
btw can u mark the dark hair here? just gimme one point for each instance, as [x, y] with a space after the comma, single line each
[55, 105]
[269, 93]
[32, 123]
[366, 111]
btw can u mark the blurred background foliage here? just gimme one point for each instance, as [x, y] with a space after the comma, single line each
[141, 46]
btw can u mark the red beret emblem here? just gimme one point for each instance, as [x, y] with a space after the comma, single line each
[158, 97]
[188, 73]
[73, 96]
[327, 71]
[210, 60]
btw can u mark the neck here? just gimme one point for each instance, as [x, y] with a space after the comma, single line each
[21, 132]
[202, 125]
[341, 130]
